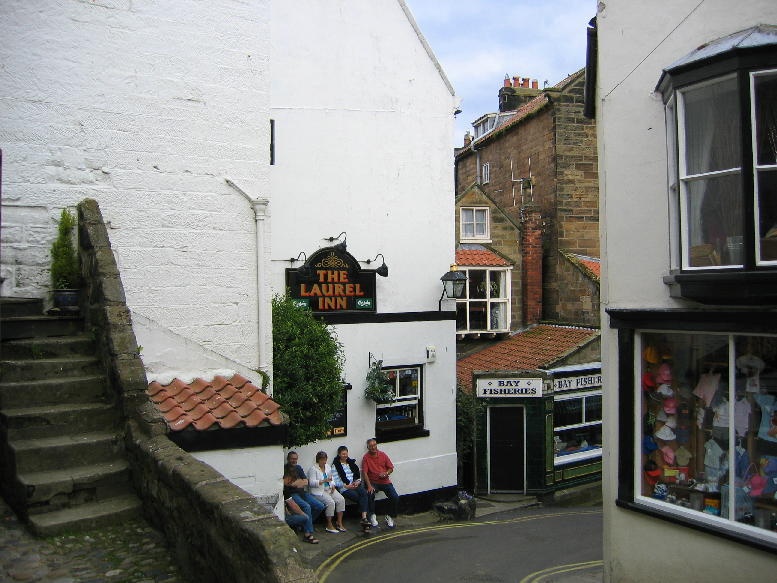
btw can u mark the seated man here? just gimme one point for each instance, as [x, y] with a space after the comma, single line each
[294, 514]
[301, 496]
[376, 469]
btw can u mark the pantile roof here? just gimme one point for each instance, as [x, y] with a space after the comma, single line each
[538, 347]
[479, 258]
[220, 403]
[590, 265]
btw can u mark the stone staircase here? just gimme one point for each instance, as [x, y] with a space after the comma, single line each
[62, 462]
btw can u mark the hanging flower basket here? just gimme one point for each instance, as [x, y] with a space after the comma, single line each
[379, 388]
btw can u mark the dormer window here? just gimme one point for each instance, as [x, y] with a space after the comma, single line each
[721, 106]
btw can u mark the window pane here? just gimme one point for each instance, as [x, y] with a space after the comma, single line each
[477, 283]
[477, 315]
[593, 408]
[714, 221]
[568, 412]
[767, 213]
[498, 288]
[498, 316]
[577, 440]
[708, 437]
[467, 223]
[481, 222]
[461, 316]
[712, 140]
[766, 118]
[408, 382]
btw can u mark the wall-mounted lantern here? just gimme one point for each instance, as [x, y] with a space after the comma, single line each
[452, 285]
[383, 269]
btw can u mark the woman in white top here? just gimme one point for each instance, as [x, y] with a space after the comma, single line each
[321, 485]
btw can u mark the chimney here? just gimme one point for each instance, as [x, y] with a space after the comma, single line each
[525, 83]
[516, 81]
[531, 276]
[514, 94]
[535, 84]
[507, 81]
[467, 139]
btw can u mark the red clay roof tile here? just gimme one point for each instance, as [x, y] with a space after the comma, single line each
[206, 405]
[537, 347]
[479, 257]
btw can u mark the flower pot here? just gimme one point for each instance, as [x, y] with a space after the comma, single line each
[66, 300]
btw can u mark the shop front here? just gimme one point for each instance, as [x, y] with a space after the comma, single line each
[539, 430]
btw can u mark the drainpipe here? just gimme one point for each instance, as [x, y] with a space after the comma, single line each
[264, 332]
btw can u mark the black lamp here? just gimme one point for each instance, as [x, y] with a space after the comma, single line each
[305, 271]
[383, 269]
[342, 244]
[452, 285]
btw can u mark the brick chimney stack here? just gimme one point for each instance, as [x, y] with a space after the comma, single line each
[531, 276]
[517, 91]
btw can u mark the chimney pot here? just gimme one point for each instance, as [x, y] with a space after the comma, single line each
[507, 81]
[516, 81]
[535, 84]
[525, 82]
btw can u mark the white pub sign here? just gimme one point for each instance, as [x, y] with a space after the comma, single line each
[509, 387]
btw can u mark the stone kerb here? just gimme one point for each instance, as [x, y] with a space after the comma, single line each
[218, 531]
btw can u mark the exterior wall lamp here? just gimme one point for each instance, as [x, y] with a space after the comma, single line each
[452, 285]
[305, 271]
[383, 269]
[342, 244]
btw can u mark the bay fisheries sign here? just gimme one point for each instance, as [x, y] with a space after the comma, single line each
[509, 387]
[332, 281]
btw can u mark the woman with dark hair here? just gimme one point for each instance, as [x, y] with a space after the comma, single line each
[348, 482]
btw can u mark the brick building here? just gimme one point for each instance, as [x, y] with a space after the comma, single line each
[528, 241]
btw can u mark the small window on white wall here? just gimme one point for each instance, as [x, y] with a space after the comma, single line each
[486, 173]
[474, 223]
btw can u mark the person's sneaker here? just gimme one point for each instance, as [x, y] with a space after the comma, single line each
[389, 522]
[373, 520]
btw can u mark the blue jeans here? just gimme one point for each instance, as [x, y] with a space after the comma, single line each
[360, 496]
[299, 520]
[392, 496]
[309, 504]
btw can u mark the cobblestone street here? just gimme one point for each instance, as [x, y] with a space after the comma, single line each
[132, 552]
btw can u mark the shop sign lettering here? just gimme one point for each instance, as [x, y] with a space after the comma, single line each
[577, 383]
[509, 387]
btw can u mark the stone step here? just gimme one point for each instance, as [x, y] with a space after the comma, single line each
[53, 420]
[86, 516]
[48, 347]
[35, 326]
[56, 453]
[16, 307]
[54, 489]
[85, 389]
[45, 368]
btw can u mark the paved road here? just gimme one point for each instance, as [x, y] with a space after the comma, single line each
[525, 546]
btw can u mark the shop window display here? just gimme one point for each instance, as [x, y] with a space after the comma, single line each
[708, 408]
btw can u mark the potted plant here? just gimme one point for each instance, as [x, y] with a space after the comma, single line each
[379, 388]
[65, 274]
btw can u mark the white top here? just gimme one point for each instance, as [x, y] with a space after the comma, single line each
[320, 480]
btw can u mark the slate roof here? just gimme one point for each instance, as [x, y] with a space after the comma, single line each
[479, 258]
[207, 405]
[539, 347]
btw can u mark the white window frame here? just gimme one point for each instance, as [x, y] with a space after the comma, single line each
[415, 401]
[596, 452]
[474, 211]
[488, 300]
[758, 168]
[485, 175]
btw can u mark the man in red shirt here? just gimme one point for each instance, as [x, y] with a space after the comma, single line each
[376, 469]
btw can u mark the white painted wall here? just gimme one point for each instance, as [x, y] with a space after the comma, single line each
[363, 133]
[636, 40]
[146, 107]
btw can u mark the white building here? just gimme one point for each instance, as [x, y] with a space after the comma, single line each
[165, 116]
[686, 97]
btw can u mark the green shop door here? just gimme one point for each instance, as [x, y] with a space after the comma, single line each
[506, 449]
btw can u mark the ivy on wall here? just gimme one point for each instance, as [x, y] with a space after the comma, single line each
[307, 370]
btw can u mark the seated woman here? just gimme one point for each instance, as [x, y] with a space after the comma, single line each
[321, 485]
[348, 482]
[294, 514]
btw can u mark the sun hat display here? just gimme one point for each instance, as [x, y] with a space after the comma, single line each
[648, 382]
[682, 455]
[649, 445]
[668, 454]
[670, 405]
[650, 354]
[665, 433]
[664, 374]
[671, 421]
[665, 390]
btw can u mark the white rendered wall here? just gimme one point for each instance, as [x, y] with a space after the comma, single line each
[146, 107]
[636, 41]
[363, 127]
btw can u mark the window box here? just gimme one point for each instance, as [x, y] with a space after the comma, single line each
[721, 118]
[698, 419]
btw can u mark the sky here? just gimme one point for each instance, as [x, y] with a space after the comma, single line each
[477, 42]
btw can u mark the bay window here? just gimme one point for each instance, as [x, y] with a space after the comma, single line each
[486, 305]
[721, 112]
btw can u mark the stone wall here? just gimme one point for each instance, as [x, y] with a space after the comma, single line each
[217, 531]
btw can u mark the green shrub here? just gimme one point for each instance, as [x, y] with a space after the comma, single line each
[64, 259]
[378, 387]
[307, 370]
